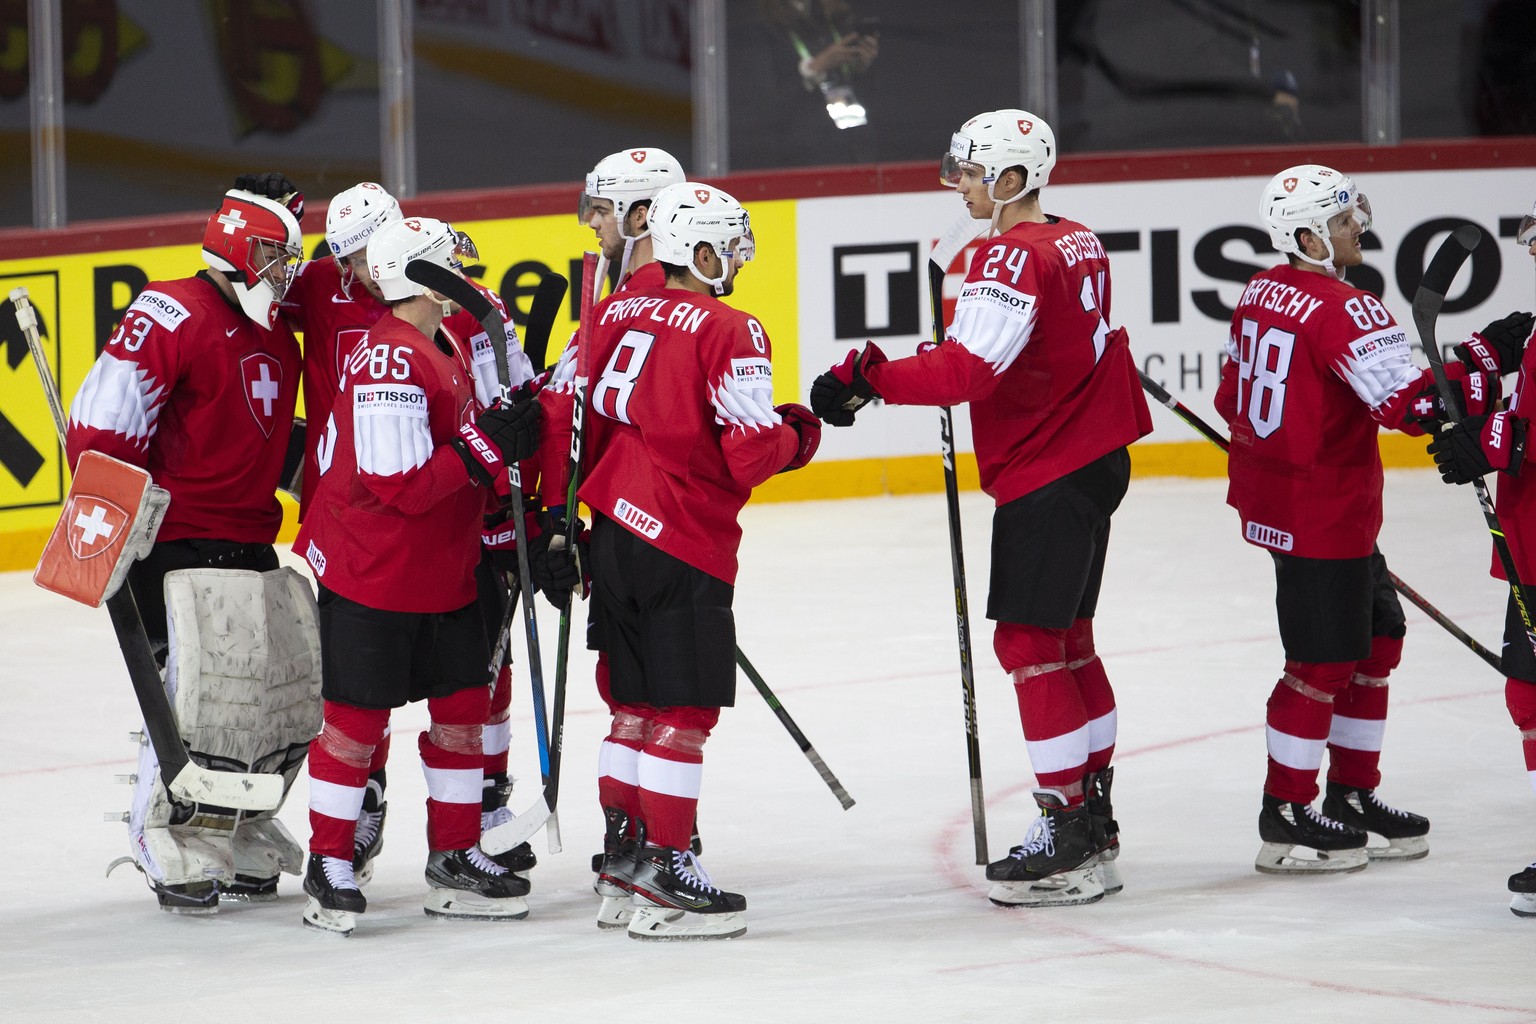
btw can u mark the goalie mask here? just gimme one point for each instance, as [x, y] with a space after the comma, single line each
[685, 214]
[256, 242]
[1308, 196]
[352, 218]
[998, 140]
[394, 246]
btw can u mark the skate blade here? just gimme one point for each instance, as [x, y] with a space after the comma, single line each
[459, 905]
[1279, 859]
[1073, 888]
[615, 911]
[247, 897]
[1406, 848]
[364, 874]
[336, 922]
[652, 923]
[1523, 904]
[1108, 876]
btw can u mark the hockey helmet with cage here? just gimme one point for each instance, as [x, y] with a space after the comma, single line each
[1309, 196]
[688, 213]
[395, 245]
[625, 178]
[351, 219]
[998, 140]
[256, 242]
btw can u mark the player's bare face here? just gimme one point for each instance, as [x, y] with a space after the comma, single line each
[606, 227]
[1344, 231]
[973, 190]
[358, 262]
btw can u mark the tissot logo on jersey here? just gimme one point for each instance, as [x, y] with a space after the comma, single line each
[95, 525]
[160, 308]
[752, 372]
[1015, 304]
[389, 400]
[1373, 348]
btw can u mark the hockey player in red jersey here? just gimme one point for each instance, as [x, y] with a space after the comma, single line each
[1480, 445]
[682, 427]
[1054, 404]
[393, 539]
[197, 385]
[1315, 367]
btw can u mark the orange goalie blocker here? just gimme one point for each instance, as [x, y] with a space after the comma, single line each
[109, 521]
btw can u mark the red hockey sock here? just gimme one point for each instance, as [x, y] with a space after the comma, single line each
[1360, 717]
[452, 758]
[1050, 705]
[1098, 696]
[339, 760]
[497, 735]
[1300, 712]
[618, 762]
[671, 770]
[1520, 698]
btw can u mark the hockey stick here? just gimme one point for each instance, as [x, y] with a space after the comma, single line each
[450, 285]
[944, 253]
[1427, 301]
[794, 731]
[592, 282]
[182, 776]
[547, 300]
[541, 320]
[1160, 394]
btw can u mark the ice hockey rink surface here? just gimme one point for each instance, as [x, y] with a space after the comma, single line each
[877, 913]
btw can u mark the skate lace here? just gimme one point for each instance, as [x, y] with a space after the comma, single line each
[687, 867]
[367, 829]
[491, 819]
[1041, 838]
[1322, 819]
[1370, 794]
[478, 859]
[338, 872]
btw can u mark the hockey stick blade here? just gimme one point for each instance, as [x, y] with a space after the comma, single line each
[547, 300]
[519, 830]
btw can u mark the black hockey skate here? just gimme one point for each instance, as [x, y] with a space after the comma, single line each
[334, 898]
[1054, 866]
[493, 812]
[614, 870]
[1106, 830]
[1522, 886]
[1406, 834]
[368, 837]
[467, 884]
[1284, 825]
[673, 898]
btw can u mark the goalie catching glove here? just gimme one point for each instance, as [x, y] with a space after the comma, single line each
[1498, 348]
[843, 390]
[1478, 445]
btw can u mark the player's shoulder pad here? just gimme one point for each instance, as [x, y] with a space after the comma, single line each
[168, 304]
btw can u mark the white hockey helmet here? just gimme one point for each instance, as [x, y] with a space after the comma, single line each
[395, 245]
[685, 214]
[1526, 234]
[258, 242]
[355, 214]
[1308, 196]
[998, 140]
[625, 178]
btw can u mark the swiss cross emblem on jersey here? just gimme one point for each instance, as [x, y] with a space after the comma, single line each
[1289, 184]
[95, 525]
[262, 377]
[637, 155]
[701, 194]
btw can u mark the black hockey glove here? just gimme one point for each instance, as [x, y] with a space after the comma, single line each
[1498, 348]
[515, 428]
[843, 390]
[557, 569]
[274, 185]
[1477, 446]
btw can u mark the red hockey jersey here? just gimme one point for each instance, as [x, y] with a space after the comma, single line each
[1314, 368]
[396, 519]
[192, 390]
[1516, 495]
[1051, 387]
[682, 425]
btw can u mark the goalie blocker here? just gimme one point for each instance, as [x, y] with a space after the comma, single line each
[110, 519]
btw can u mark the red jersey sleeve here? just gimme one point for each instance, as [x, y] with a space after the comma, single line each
[754, 438]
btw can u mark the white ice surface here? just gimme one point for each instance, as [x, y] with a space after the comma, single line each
[878, 913]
